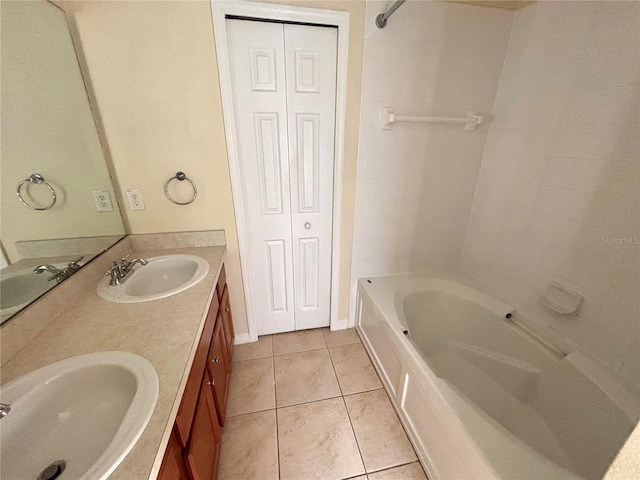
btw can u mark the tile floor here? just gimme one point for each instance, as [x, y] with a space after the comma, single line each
[309, 405]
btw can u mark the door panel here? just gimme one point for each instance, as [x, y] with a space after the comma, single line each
[276, 255]
[256, 55]
[308, 156]
[311, 54]
[309, 262]
[269, 162]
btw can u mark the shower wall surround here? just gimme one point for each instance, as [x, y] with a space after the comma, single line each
[557, 196]
[416, 182]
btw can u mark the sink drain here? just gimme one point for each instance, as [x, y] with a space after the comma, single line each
[53, 471]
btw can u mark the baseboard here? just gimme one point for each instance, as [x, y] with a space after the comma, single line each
[242, 338]
[339, 324]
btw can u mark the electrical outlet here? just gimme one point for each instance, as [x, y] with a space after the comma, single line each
[103, 200]
[136, 202]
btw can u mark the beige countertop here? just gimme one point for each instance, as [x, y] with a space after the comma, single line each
[164, 331]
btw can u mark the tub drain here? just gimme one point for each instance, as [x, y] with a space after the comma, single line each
[53, 471]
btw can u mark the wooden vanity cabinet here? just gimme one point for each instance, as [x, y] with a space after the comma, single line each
[194, 446]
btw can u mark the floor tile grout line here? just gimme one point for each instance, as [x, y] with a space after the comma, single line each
[250, 360]
[301, 351]
[396, 466]
[275, 401]
[307, 403]
[369, 391]
[250, 413]
[363, 391]
[335, 372]
[355, 436]
[348, 415]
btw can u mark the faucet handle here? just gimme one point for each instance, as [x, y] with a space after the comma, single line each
[114, 274]
[111, 270]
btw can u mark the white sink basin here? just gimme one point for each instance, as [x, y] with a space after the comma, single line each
[161, 277]
[18, 289]
[87, 411]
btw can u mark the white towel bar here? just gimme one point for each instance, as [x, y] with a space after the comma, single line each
[471, 121]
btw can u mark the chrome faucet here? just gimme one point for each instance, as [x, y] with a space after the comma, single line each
[121, 270]
[59, 275]
[47, 268]
[5, 408]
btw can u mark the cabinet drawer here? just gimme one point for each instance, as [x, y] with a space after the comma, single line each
[190, 398]
[227, 321]
[222, 282]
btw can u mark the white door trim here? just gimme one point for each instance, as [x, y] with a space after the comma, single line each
[219, 11]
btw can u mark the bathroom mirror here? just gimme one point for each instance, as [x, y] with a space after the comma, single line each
[51, 155]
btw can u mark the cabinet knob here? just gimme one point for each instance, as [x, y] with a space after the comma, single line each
[307, 225]
[212, 382]
[226, 309]
[216, 360]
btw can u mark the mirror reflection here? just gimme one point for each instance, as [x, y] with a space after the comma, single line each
[58, 207]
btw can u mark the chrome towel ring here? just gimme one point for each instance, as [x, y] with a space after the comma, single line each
[36, 179]
[180, 176]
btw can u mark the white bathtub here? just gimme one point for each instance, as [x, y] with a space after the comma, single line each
[480, 396]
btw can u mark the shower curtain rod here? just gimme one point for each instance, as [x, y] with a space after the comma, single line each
[381, 20]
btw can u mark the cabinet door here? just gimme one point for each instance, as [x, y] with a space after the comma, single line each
[227, 322]
[190, 396]
[173, 467]
[204, 444]
[219, 369]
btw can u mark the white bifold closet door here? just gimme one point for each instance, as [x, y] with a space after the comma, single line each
[284, 89]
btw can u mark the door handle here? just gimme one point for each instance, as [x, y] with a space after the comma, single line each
[307, 225]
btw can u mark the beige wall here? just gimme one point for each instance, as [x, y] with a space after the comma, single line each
[47, 128]
[154, 75]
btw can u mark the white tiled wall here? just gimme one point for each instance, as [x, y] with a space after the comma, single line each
[557, 197]
[416, 182]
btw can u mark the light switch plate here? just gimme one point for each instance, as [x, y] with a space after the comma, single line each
[136, 202]
[103, 200]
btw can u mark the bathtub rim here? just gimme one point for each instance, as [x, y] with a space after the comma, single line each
[388, 305]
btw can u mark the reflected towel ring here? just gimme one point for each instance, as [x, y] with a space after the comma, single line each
[37, 179]
[180, 176]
